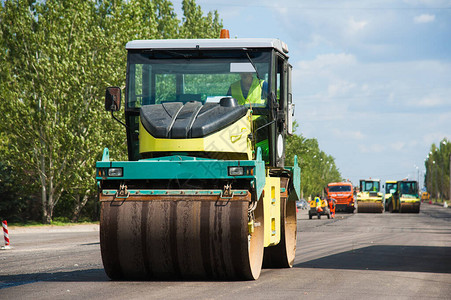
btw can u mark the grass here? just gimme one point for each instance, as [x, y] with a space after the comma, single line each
[439, 200]
[59, 221]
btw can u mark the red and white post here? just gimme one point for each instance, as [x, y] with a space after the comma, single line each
[5, 234]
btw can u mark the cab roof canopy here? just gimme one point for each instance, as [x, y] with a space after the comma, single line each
[209, 44]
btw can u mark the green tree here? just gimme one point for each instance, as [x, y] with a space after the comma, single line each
[317, 168]
[195, 25]
[15, 205]
[56, 59]
[437, 177]
[52, 52]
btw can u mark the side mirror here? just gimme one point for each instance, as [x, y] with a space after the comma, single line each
[113, 98]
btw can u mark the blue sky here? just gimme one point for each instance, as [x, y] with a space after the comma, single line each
[371, 79]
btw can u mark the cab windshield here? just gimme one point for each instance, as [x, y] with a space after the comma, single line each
[409, 188]
[390, 188]
[369, 186]
[160, 76]
[339, 188]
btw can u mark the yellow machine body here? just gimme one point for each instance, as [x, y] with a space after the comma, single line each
[406, 199]
[370, 200]
[389, 191]
[229, 143]
[425, 196]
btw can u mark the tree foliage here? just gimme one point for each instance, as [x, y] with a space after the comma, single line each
[317, 168]
[437, 179]
[195, 25]
[56, 59]
[15, 205]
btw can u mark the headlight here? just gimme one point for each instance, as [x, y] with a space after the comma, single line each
[236, 171]
[115, 172]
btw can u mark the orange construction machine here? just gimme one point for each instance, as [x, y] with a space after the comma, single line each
[343, 193]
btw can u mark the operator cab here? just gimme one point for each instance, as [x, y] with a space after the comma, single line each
[370, 186]
[181, 89]
[408, 188]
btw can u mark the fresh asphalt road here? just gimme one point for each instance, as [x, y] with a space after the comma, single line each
[355, 256]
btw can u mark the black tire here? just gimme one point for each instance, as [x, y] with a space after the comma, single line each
[328, 216]
[310, 216]
[319, 216]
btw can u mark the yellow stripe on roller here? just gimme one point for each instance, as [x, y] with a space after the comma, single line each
[271, 208]
[409, 200]
[232, 139]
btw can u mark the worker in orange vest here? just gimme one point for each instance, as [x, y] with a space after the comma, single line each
[332, 203]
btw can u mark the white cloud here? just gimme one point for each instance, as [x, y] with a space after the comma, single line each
[355, 26]
[374, 148]
[316, 40]
[431, 101]
[385, 87]
[283, 10]
[326, 61]
[424, 18]
[398, 146]
[339, 88]
[348, 134]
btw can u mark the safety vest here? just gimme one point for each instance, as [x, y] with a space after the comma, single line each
[253, 96]
[318, 204]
